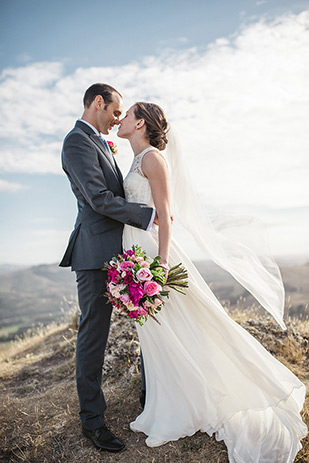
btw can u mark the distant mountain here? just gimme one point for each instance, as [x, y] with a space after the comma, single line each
[9, 268]
[39, 279]
[43, 293]
[230, 292]
[34, 295]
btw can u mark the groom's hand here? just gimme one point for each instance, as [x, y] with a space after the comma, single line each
[156, 219]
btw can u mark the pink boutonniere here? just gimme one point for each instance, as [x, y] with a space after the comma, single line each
[112, 147]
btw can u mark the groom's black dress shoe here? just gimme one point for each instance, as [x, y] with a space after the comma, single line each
[104, 439]
[142, 398]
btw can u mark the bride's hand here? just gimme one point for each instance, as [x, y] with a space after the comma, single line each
[163, 263]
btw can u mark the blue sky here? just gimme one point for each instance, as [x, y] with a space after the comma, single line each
[107, 33]
[232, 77]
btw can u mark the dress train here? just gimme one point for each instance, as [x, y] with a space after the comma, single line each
[204, 372]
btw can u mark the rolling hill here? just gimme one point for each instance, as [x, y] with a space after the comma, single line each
[45, 293]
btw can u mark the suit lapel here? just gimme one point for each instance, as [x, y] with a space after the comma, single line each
[100, 145]
[96, 139]
[118, 171]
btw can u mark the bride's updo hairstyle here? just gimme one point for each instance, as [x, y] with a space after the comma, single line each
[156, 123]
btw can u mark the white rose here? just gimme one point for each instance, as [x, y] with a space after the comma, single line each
[131, 306]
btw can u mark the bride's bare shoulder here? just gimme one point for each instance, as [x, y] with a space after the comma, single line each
[153, 157]
[153, 162]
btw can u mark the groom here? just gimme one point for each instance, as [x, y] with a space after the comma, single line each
[97, 183]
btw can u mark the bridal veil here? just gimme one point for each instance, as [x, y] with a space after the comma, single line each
[238, 244]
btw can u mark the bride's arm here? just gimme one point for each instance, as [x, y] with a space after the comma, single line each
[155, 169]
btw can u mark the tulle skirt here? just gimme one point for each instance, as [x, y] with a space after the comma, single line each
[206, 373]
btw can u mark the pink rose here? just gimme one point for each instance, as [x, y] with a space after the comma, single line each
[112, 146]
[125, 298]
[121, 286]
[144, 263]
[142, 312]
[151, 288]
[125, 265]
[144, 274]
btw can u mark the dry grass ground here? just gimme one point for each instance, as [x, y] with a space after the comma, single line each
[39, 420]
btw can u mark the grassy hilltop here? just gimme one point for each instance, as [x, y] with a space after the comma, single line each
[39, 420]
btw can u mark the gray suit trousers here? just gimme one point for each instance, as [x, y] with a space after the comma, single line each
[91, 342]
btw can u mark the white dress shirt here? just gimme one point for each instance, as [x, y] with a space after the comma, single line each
[100, 135]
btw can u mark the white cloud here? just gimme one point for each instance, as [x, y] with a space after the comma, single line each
[10, 186]
[41, 157]
[241, 106]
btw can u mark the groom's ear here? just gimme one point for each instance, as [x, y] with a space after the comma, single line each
[99, 102]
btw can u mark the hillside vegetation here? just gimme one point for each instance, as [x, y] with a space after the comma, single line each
[44, 293]
[39, 420]
[33, 296]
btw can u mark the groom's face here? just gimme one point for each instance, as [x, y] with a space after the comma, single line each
[109, 115]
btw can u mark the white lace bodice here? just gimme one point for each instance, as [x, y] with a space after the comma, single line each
[136, 185]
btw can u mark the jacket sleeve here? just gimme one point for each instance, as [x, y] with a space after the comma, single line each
[81, 164]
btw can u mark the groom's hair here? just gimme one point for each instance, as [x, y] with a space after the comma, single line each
[106, 92]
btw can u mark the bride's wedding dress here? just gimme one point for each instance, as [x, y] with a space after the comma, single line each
[204, 372]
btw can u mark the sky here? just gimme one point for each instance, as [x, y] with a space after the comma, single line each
[232, 77]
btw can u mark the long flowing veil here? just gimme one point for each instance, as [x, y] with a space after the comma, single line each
[237, 244]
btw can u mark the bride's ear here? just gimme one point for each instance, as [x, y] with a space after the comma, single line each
[140, 123]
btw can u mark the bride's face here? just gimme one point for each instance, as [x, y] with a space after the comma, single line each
[127, 125]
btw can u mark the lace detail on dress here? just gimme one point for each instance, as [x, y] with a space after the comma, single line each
[137, 163]
[136, 185]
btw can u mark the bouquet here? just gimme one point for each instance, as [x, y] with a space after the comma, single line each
[136, 283]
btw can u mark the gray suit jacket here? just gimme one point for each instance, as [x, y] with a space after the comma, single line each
[102, 209]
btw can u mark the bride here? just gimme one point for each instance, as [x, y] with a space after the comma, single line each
[203, 371]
